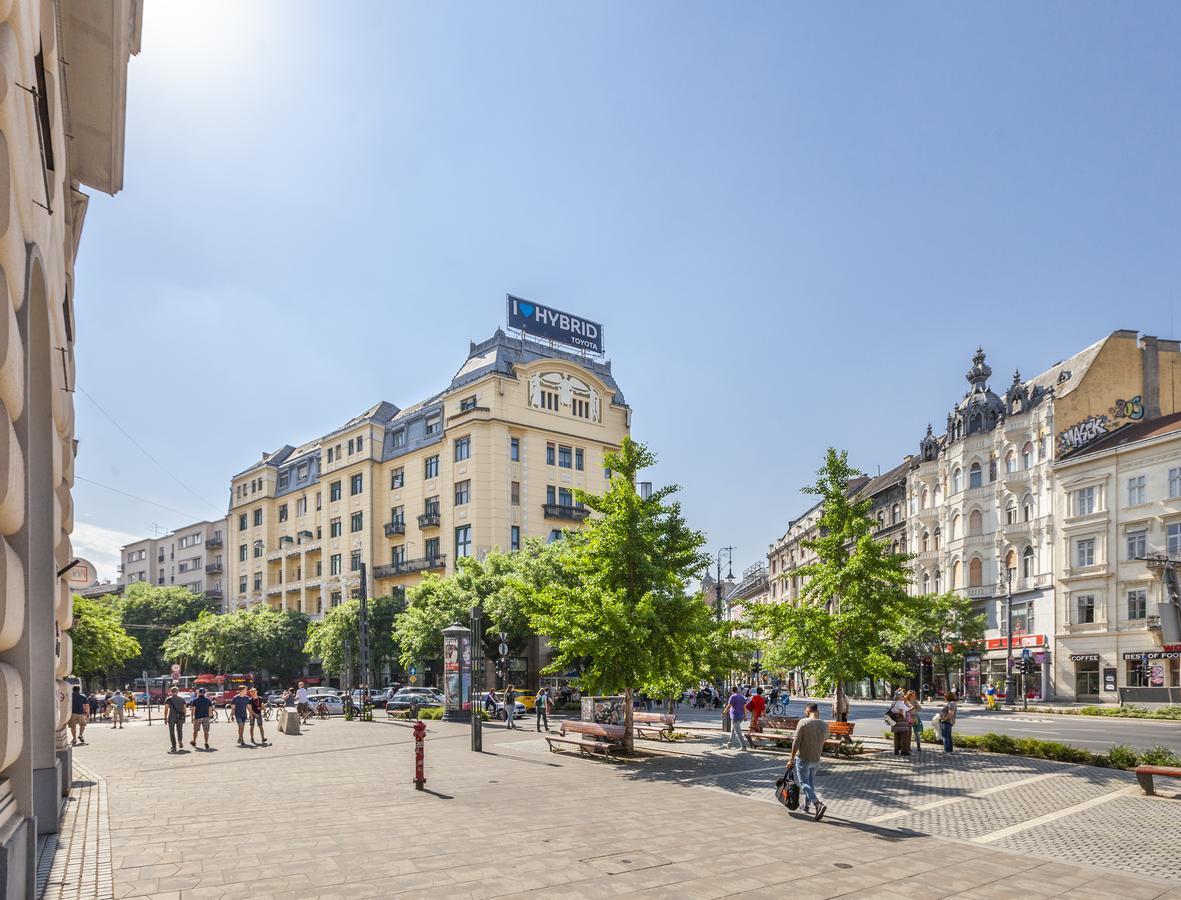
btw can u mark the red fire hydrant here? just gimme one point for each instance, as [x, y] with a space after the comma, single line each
[419, 734]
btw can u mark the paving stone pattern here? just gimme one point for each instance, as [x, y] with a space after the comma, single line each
[333, 813]
[76, 863]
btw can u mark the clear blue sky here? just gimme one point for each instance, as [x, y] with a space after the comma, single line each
[797, 222]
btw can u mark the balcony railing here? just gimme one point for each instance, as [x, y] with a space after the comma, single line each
[428, 520]
[214, 541]
[214, 593]
[565, 511]
[409, 566]
[396, 527]
[215, 566]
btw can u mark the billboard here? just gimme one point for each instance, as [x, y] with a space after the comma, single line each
[554, 325]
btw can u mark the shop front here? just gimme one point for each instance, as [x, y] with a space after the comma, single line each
[994, 665]
[1152, 676]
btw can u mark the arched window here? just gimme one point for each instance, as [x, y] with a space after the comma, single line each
[894, 514]
[938, 582]
[1011, 512]
[975, 573]
[926, 542]
[881, 520]
[1027, 508]
[975, 523]
[926, 583]
[975, 476]
[955, 575]
[923, 499]
[938, 493]
[1011, 564]
[1028, 563]
[955, 526]
[957, 480]
[1011, 461]
[1027, 455]
[938, 533]
[894, 547]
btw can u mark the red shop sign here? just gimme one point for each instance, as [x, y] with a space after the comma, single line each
[1028, 640]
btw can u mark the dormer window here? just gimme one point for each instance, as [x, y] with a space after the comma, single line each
[399, 438]
[433, 424]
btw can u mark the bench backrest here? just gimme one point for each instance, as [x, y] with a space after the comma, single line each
[785, 723]
[841, 729]
[594, 729]
[654, 718]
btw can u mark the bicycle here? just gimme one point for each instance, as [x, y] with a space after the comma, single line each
[779, 708]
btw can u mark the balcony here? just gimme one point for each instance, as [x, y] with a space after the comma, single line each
[1017, 478]
[928, 514]
[1016, 528]
[214, 567]
[214, 594]
[428, 520]
[410, 566]
[392, 528]
[214, 541]
[274, 590]
[980, 591]
[565, 511]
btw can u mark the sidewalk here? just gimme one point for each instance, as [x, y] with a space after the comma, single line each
[332, 813]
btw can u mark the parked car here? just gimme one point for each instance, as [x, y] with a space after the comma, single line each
[519, 708]
[377, 698]
[414, 696]
[275, 698]
[335, 704]
[318, 691]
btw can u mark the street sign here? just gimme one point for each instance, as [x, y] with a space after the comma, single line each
[503, 637]
[503, 648]
[176, 670]
[413, 679]
[413, 670]
[1025, 653]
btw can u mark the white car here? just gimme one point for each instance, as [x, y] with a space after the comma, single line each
[334, 703]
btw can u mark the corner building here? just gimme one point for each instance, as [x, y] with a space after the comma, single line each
[490, 461]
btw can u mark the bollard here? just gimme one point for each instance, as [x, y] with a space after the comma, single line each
[419, 734]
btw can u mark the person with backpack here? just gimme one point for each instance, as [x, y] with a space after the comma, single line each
[542, 706]
[175, 713]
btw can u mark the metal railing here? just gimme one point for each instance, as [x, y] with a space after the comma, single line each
[409, 566]
[396, 527]
[429, 520]
[565, 511]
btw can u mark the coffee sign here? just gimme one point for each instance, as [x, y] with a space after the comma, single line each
[554, 325]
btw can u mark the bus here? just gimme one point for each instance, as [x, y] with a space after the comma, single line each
[222, 687]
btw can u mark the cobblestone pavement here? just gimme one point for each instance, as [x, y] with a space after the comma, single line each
[333, 813]
[77, 860]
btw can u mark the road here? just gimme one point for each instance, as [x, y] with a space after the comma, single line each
[1094, 733]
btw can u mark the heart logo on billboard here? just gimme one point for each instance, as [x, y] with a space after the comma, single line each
[526, 309]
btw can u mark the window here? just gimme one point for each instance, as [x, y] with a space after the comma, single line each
[894, 514]
[923, 500]
[1011, 564]
[430, 506]
[515, 493]
[1084, 501]
[355, 561]
[431, 467]
[1011, 461]
[1085, 609]
[301, 507]
[467, 403]
[398, 554]
[1175, 482]
[257, 517]
[1086, 678]
[463, 492]
[399, 438]
[938, 582]
[957, 480]
[554, 535]
[284, 479]
[1011, 513]
[565, 497]
[1027, 455]
[1084, 552]
[329, 456]
[975, 573]
[975, 523]
[360, 442]
[334, 492]
[398, 515]
[463, 541]
[955, 575]
[431, 548]
[565, 458]
[241, 584]
[282, 512]
[1137, 673]
[1136, 490]
[433, 424]
[514, 449]
[992, 470]
[514, 537]
[356, 522]
[926, 583]
[257, 549]
[258, 581]
[1028, 563]
[551, 494]
[578, 460]
[955, 527]
[241, 553]
[975, 476]
[1138, 603]
[1173, 540]
[334, 527]
[925, 543]
[463, 448]
[397, 478]
[319, 506]
[336, 597]
[549, 454]
[936, 534]
[1137, 544]
[356, 484]
[1027, 509]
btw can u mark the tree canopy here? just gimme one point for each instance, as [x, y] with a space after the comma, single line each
[101, 644]
[259, 638]
[327, 637]
[942, 626]
[156, 605]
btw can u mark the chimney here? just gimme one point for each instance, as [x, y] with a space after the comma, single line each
[1150, 364]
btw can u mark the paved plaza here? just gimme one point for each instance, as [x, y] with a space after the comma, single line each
[333, 813]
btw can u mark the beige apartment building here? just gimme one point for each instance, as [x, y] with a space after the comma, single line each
[488, 462]
[193, 557]
[61, 128]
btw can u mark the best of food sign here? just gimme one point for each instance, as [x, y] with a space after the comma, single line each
[553, 324]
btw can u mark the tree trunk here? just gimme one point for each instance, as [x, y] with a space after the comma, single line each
[946, 674]
[629, 742]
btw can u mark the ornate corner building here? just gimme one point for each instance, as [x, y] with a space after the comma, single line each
[62, 102]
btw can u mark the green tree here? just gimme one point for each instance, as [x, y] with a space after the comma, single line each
[622, 610]
[255, 639]
[942, 626]
[326, 638]
[854, 596]
[158, 609]
[101, 644]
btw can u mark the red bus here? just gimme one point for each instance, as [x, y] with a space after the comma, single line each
[222, 687]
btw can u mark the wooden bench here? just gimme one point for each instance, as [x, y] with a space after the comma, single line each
[594, 738]
[1144, 775]
[661, 724]
[783, 732]
[838, 733]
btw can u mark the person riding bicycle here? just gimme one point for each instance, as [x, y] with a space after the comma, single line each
[322, 708]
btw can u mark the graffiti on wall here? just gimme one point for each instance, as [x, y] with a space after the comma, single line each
[1082, 433]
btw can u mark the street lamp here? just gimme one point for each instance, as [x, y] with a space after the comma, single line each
[1010, 681]
[729, 552]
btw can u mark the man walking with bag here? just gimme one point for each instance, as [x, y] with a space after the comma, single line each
[174, 715]
[806, 747]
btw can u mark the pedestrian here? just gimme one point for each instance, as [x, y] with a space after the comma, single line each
[840, 706]
[990, 695]
[241, 704]
[916, 721]
[118, 701]
[92, 705]
[510, 706]
[174, 716]
[256, 716]
[201, 716]
[490, 702]
[131, 703]
[79, 713]
[757, 705]
[774, 696]
[736, 707]
[901, 729]
[947, 720]
[542, 705]
[806, 747]
[301, 704]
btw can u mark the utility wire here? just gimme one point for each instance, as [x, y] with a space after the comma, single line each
[179, 512]
[143, 450]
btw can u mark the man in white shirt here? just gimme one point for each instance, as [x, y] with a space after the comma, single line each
[301, 702]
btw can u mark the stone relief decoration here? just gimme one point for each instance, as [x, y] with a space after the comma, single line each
[547, 388]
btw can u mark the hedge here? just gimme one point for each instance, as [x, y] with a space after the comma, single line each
[1120, 756]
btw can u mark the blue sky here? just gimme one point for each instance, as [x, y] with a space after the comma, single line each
[796, 221]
